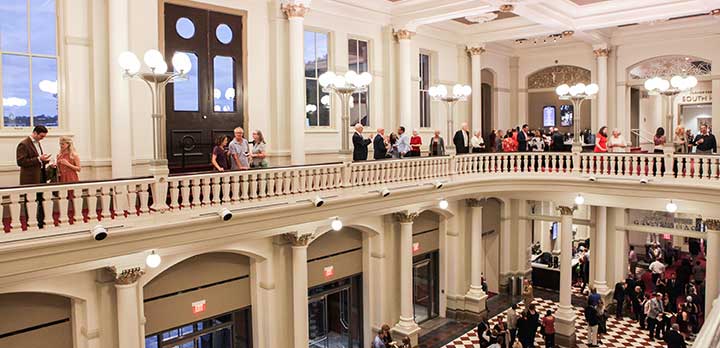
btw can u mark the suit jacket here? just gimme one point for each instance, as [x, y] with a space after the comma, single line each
[31, 170]
[675, 340]
[459, 142]
[379, 149]
[522, 141]
[360, 147]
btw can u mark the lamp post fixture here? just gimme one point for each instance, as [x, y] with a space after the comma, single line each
[345, 86]
[156, 79]
[459, 93]
[660, 86]
[577, 94]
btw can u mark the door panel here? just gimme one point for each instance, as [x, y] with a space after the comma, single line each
[422, 290]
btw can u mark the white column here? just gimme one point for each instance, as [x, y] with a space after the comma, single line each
[118, 28]
[520, 217]
[601, 52]
[476, 52]
[299, 288]
[476, 297]
[404, 83]
[296, 16]
[515, 103]
[712, 271]
[505, 246]
[600, 250]
[406, 326]
[716, 96]
[566, 314]
[128, 309]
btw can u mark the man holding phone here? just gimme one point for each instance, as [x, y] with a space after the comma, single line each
[32, 161]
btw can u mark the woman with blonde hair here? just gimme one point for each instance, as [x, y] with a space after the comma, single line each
[68, 161]
[679, 140]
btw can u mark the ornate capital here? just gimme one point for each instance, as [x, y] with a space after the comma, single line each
[405, 217]
[601, 52]
[565, 210]
[506, 8]
[472, 202]
[295, 10]
[715, 12]
[403, 34]
[713, 224]
[127, 276]
[475, 50]
[298, 239]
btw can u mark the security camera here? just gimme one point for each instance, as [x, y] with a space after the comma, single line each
[99, 233]
[385, 192]
[592, 179]
[318, 201]
[225, 214]
[644, 180]
[438, 185]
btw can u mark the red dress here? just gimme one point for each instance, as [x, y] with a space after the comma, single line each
[602, 143]
[415, 142]
[65, 173]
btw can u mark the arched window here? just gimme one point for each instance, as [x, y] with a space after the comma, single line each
[29, 63]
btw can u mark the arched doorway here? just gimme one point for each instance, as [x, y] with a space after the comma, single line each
[203, 301]
[545, 110]
[34, 319]
[426, 266]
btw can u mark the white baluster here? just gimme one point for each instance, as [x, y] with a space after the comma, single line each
[206, 187]
[92, 205]
[245, 184]
[226, 188]
[132, 199]
[262, 184]
[31, 207]
[271, 184]
[174, 193]
[77, 201]
[105, 203]
[16, 203]
[253, 186]
[63, 203]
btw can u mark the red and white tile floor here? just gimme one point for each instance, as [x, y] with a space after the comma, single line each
[625, 333]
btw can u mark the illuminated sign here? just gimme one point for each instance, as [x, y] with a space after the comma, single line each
[416, 247]
[329, 271]
[199, 307]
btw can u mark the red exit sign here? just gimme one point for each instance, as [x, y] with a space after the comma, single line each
[416, 247]
[199, 307]
[329, 271]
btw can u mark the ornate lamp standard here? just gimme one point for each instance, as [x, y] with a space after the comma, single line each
[660, 86]
[156, 79]
[344, 86]
[459, 93]
[577, 94]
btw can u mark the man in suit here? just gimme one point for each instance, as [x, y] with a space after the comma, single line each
[379, 148]
[360, 144]
[461, 139]
[619, 297]
[523, 138]
[674, 339]
[32, 160]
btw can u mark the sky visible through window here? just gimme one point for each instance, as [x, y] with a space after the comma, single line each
[22, 59]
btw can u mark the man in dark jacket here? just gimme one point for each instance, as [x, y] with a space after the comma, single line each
[379, 149]
[593, 320]
[461, 140]
[360, 144]
[619, 296]
[523, 138]
[674, 339]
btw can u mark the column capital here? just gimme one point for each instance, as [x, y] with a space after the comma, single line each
[405, 217]
[475, 202]
[565, 210]
[298, 239]
[601, 51]
[127, 276]
[295, 8]
[712, 224]
[475, 49]
[403, 34]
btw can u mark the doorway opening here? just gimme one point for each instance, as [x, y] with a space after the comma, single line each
[229, 330]
[335, 314]
[425, 286]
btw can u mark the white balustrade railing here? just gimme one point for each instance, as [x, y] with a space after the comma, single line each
[89, 202]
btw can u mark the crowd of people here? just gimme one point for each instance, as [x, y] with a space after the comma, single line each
[239, 153]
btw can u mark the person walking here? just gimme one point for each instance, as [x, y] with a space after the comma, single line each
[548, 325]
[619, 297]
[655, 316]
[512, 322]
[632, 260]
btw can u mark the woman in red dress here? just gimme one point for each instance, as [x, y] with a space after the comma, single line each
[415, 143]
[68, 161]
[601, 140]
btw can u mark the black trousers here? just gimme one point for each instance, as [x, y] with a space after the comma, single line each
[619, 309]
[654, 328]
[550, 340]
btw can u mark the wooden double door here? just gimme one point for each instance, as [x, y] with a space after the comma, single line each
[209, 103]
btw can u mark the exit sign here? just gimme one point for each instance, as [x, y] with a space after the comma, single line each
[416, 247]
[329, 271]
[199, 307]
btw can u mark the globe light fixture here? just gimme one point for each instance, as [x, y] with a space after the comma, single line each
[443, 204]
[671, 207]
[459, 93]
[670, 89]
[344, 86]
[579, 199]
[336, 224]
[153, 260]
[577, 94]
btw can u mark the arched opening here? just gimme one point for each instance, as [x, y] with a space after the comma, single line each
[426, 266]
[488, 97]
[204, 300]
[545, 110]
[335, 289]
[34, 319]
[689, 110]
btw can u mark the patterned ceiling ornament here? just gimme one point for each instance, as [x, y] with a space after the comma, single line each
[668, 66]
[403, 34]
[507, 8]
[483, 18]
[554, 76]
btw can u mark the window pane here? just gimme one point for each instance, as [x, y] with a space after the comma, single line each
[321, 47]
[352, 55]
[151, 342]
[362, 56]
[185, 93]
[223, 33]
[45, 92]
[13, 26]
[16, 90]
[224, 91]
[311, 102]
[42, 27]
[324, 112]
[185, 28]
[309, 54]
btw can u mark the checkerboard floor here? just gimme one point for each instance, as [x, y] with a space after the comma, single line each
[625, 333]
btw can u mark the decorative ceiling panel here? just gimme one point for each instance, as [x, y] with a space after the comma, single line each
[668, 66]
[556, 75]
[500, 15]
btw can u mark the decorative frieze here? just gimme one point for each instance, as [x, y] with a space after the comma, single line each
[565, 210]
[126, 276]
[298, 239]
[713, 224]
[405, 217]
[403, 34]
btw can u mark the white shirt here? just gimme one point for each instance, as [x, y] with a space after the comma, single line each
[476, 141]
[657, 267]
[403, 144]
[465, 137]
[37, 148]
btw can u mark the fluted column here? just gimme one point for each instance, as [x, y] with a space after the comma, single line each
[601, 53]
[600, 250]
[295, 12]
[299, 288]
[565, 314]
[712, 259]
[476, 51]
[406, 326]
[128, 307]
[404, 83]
[475, 299]
[118, 41]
